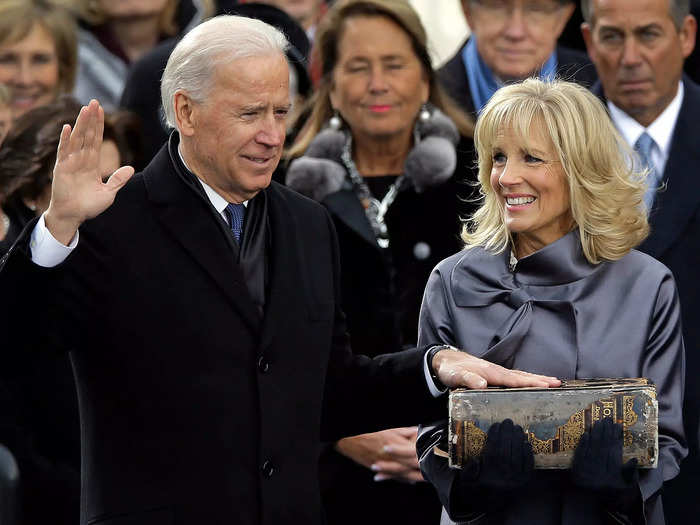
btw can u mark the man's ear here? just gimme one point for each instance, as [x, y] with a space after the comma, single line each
[687, 35]
[184, 113]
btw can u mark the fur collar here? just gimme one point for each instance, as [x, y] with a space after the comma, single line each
[431, 162]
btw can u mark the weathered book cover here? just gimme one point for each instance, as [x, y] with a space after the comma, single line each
[555, 418]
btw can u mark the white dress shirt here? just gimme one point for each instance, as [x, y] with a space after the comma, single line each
[661, 130]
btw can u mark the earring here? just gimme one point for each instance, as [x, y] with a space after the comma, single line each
[334, 122]
[424, 115]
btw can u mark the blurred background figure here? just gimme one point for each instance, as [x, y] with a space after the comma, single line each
[38, 401]
[37, 52]
[512, 40]
[307, 13]
[5, 113]
[28, 155]
[446, 27]
[142, 91]
[114, 34]
[388, 154]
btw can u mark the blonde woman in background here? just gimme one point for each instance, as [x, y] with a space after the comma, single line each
[38, 52]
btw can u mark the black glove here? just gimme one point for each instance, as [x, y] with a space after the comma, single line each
[597, 467]
[506, 462]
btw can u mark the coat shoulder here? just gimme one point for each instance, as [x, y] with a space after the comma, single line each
[640, 263]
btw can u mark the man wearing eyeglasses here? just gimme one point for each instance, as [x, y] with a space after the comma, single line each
[512, 40]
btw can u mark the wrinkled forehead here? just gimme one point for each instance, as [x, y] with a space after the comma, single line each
[630, 14]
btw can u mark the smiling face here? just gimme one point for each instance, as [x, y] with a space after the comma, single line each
[639, 53]
[378, 82]
[516, 37]
[233, 139]
[530, 183]
[30, 68]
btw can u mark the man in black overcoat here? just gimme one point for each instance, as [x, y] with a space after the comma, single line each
[201, 304]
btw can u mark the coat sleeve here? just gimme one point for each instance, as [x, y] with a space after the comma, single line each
[435, 320]
[664, 363]
[363, 394]
[434, 327]
[28, 307]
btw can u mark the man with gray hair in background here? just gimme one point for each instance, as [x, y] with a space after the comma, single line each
[638, 48]
[201, 306]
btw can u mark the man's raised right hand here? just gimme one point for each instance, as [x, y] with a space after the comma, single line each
[77, 190]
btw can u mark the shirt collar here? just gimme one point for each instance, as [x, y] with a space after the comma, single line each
[661, 130]
[216, 200]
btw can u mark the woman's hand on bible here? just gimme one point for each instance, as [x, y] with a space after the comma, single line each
[77, 190]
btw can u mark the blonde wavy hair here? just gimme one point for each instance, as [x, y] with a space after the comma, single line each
[606, 185]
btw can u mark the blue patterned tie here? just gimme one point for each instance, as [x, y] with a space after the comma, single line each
[643, 148]
[236, 213]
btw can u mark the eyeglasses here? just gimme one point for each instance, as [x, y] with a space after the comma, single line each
[533, 12]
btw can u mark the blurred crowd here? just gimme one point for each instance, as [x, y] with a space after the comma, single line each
[398, 191]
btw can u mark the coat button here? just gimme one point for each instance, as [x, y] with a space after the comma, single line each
[268, 469]
[263, 365]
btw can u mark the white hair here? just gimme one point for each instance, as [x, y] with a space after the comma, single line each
[220, 39]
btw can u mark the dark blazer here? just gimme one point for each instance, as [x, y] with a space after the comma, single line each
[572, 65]
[194, 408]
[675, 241]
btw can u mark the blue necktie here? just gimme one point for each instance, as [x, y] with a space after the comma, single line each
[643, 148]
[236, 213]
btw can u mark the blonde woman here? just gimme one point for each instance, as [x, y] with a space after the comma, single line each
[549, 282]
[38, 52]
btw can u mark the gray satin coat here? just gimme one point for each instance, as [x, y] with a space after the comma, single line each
[559, 315]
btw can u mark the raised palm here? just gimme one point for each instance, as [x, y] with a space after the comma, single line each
[77, 191]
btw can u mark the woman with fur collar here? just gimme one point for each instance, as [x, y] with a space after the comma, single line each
[389, 155]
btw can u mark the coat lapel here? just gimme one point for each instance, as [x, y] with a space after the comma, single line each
[188, 218]
[675, 206]
[286, 265]
[345, 206]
